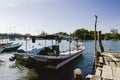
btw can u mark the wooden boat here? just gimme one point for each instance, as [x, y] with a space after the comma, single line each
[4, 43]
[1, 48]
[11, 47]
[51, 56]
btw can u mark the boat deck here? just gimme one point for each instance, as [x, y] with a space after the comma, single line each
[107, 67]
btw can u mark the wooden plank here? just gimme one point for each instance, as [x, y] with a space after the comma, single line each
[111, 56]
[116, 54]
[98, 72]
[101, 61]
[106, 62]
[112, 64]
[116, 73]
[118, 64]
[107, 72]
[89, 77]
[118, 58]
[96, 78]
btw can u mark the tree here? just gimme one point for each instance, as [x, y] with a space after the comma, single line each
[43, 33]
[63, 33]
[81, 33]
[114, 33]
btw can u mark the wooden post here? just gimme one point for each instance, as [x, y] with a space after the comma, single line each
[95, 51]
[95, 44]
[77, 74]
[100, 43]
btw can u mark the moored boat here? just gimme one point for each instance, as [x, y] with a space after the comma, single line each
[11, 47]
[51, 55]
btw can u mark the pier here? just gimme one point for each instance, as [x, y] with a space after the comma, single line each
[106, 64]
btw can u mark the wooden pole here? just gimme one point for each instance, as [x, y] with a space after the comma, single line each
[95, 44]
[100, 43]
[77, 74]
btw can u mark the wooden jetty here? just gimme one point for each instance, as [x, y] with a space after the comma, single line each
[107, 64]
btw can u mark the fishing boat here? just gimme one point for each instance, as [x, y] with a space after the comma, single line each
[10, 47]
[1, 48]
[51, 56]
[3, 44]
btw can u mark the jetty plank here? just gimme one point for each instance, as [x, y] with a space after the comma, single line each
[101, 61]
[111, 56]
[116, 73]
[105, 60]
[116, 54]
[98, 72]
[112, 64]
[107, 72]
[96, 78]
[118, 64]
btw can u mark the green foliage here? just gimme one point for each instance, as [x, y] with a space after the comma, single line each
[114, 31]
[82, 33]
[63, 33]
[43, 33]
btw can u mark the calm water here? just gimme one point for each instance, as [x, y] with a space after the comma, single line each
[13, 71]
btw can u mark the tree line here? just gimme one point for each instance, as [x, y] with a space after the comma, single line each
[82, 34]
[85, 34]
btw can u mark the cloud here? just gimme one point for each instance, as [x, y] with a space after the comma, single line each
[16, 3]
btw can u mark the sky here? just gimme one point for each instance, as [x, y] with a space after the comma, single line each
[52, 16]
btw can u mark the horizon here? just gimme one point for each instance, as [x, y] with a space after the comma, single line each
[52, 16]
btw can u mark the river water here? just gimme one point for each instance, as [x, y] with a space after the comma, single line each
[14, 71]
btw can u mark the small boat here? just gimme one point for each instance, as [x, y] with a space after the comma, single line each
[2, 48]
[51, 56]
[11, 47]
[3, 44]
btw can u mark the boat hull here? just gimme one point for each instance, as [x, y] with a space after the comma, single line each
[10, 49]
[53, 62]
